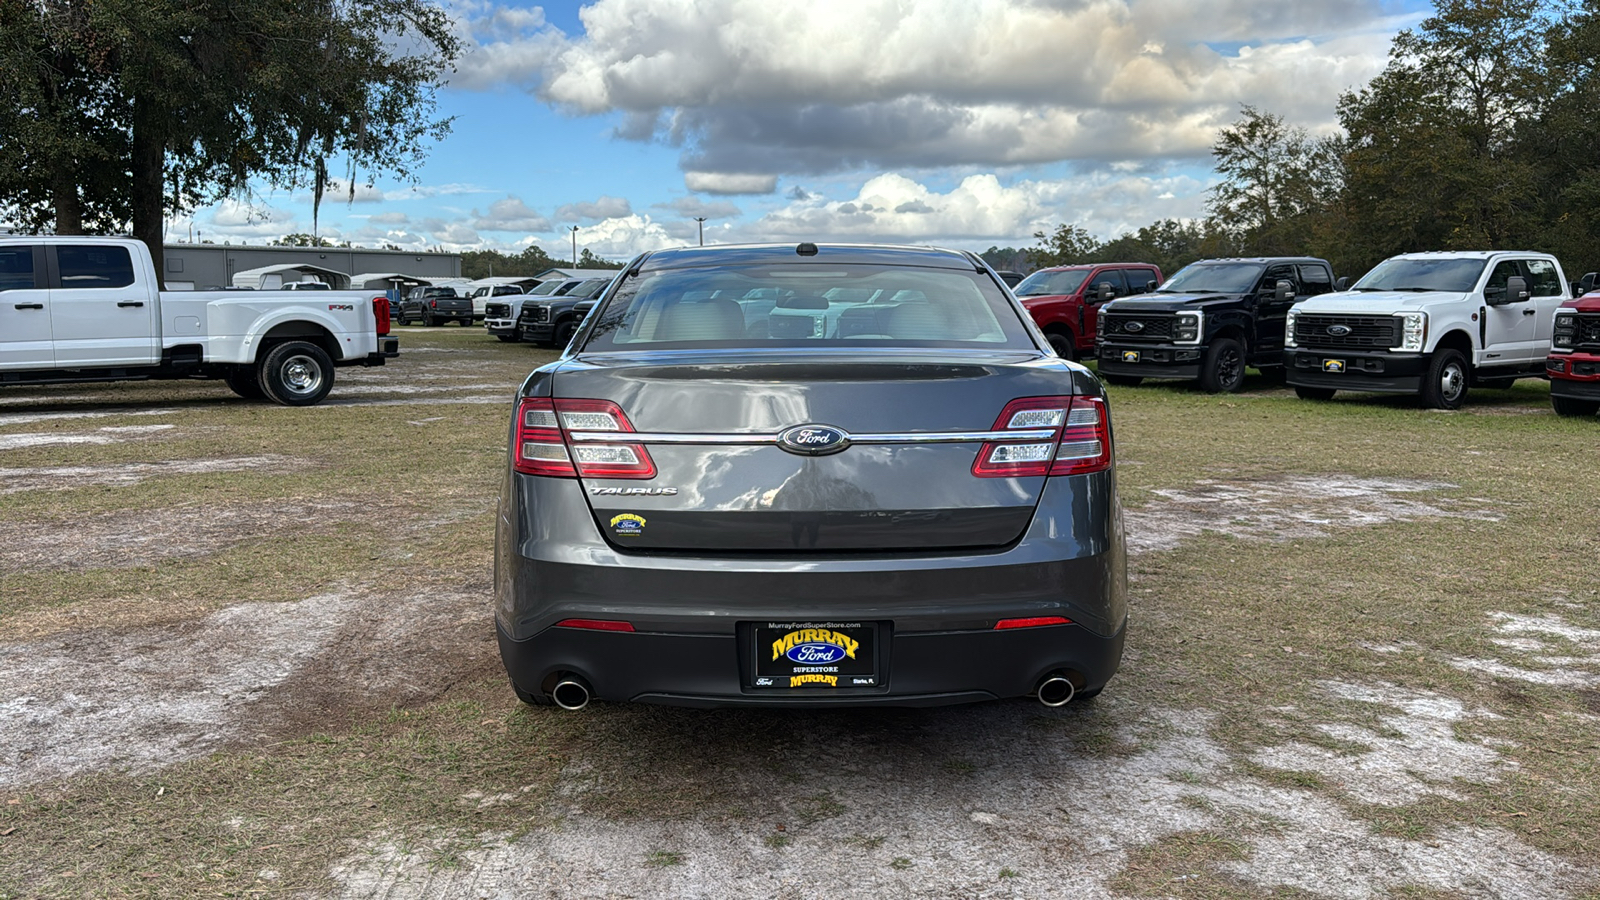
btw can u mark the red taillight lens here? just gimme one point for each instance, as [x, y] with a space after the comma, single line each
[596, 624]
[1079, 441]
[1034, 622]
[380, 312]
[1085, 439]
[546, 445]
[434, 303]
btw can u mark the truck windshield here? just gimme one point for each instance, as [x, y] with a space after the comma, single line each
[1051, 284]
[1453, 275]
[770, 307]
[546, 287]
[1213, 278]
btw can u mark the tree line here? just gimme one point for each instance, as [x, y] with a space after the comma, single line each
[1482, 132]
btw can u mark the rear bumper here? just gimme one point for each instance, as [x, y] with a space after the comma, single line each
[713, 670]
[692, 615]
[1384, 373]
[1154, 361]
[388, 348]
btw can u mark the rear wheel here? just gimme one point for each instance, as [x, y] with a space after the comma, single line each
[563, 334]
[1445, 384]
[1314, 393]
[1574, 407]
[1121, 380]
[1222, 372]
[427, 318]
[245, 383]
[296, 373]
[1062, 345]
[466, 323]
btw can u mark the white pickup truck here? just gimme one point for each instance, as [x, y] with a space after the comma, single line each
[1431, 324]
[87, 309]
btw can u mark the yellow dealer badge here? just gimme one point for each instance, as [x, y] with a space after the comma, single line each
[627, 525]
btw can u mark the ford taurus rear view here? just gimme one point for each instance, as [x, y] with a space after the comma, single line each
[809, 476]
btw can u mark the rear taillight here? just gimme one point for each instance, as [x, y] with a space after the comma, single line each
[1033, 622]
[569, 438]
[434, 303]
[1079, 441]
[596, 624]
[380, 312]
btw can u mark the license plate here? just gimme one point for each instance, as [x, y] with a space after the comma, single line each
[1333, 365]
[1130, 356]
[816, 655]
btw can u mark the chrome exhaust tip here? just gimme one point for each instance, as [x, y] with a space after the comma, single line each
[571, 693]
[1055, 691]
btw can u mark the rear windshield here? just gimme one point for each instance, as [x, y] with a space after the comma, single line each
[1050, 284]
[1454, 275]
[808, 306]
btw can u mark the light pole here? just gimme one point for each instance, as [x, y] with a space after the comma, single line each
[702, 221]
[574, 246]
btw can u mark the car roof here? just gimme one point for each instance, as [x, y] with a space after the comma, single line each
[1080, 266]
[1470, 254]
[787, 254]
[1258, 259]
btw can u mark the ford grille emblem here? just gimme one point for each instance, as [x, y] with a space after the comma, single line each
[813, 440]
[1135, 327]
[1338, 330]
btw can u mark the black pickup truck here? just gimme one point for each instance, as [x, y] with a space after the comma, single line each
[550, 321]
[1208, 322]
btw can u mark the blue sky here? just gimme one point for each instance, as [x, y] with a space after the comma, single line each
[958, 122]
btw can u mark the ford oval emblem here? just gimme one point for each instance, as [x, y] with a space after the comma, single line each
[1338, 330]
[1134, 327]
[815, 653]
[813, 440]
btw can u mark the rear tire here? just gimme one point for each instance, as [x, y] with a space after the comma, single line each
[1122, 380]
[1445, 384]
[296, 373]
[246, 384]
[563, 335]
[428, 319]
[1572, 407]
[1062, 344]
[1222, 372]
[1314, 393]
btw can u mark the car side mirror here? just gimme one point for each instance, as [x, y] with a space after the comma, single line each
[1343, 284]
[1103, 292]
[1515, 291]
[1151, 285]
[1283, 293]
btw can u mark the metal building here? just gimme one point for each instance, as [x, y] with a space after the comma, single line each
[213, 266]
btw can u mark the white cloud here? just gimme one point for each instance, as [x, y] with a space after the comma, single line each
[603, 208]
[730, 183]
[389, 218]
[750, 88]
[510, 214]
[622, 237]
[236, 219]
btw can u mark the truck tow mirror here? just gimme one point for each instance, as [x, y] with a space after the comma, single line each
[1284, 292]
[1343, 284]
[1151, 285]
[1516, 289]
[1103, 292]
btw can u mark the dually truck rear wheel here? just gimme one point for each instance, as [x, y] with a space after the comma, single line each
[296, 373]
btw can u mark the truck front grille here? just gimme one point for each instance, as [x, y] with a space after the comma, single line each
[1125, 327]
[1347, 332]
[536, 313]
[1588, 335]
[497, 310]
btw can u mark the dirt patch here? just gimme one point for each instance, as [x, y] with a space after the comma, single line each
[423, 401]
[863, 818]
[31, 418]
[142, 537]
[1543, 650]
[359, 389]
[111, 434]
[60, 478]
[1417, 752]
[143, 699]
[1302, 506]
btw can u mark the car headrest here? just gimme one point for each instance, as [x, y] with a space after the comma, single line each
[718, 319]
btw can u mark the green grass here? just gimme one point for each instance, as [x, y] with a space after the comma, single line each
[1210, 621]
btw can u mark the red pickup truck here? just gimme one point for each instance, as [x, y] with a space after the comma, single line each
[1064, 300]
[1574, 361]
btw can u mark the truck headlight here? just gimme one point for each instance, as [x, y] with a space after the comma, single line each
[1413, 332]
[1288, 330]
[1186, 330]
[1100, 323]
[1566, 331]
